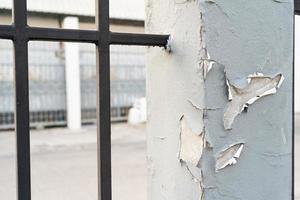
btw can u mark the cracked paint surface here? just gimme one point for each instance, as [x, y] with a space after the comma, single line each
[258, 86]
[191, 144]
[206, 63]
[229, 156]
[217, 45]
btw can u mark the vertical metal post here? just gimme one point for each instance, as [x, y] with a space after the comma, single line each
[293, 116]
[22, 100]
[103, 101]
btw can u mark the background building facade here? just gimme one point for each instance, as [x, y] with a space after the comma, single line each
[47, 64]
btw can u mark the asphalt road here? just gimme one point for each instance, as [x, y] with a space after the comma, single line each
[64, 164]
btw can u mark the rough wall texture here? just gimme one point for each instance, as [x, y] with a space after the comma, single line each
[220, 102]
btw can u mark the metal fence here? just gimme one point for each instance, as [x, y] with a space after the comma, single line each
[19, 33]
[47, 89]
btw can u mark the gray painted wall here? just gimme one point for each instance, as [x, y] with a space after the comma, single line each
[226, 64]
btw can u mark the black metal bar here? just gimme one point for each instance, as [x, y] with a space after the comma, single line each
[68, 35]
[6, 32]
[22, 120]
[293, 119]
[139, 39]
[22, 101]
[103, 101]
[89, 36]
[297, 6]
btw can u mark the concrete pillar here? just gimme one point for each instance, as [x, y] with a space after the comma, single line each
[220, 102]
[72, 77]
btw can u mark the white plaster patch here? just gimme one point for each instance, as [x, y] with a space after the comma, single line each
[229, 156]
[191, 144]
[258, 86]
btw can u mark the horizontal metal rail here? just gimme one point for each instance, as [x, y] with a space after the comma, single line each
[67, 35]
[6, 32]
[84, 36]
[138, 39]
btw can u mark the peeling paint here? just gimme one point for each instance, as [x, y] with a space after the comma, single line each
[213, 42]
[229, 156]
[258, 86]
[206, 63]
[191, 144]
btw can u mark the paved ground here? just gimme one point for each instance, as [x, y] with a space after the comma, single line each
[64, 164]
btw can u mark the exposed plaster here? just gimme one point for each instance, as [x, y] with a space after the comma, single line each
[259, 85]
[229, 156]
[191, 144]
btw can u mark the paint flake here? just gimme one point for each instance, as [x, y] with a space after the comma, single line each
[192, 143]
[206, 63]
[258, 86]
[229, 156]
